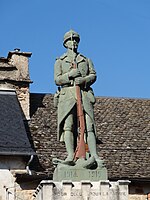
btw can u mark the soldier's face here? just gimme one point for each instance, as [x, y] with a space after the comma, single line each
[72, 44]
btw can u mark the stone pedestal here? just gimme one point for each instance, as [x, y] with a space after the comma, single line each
[81, 170]
[77, 173]
[83, 190]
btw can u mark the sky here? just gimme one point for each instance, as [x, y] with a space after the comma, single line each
[115, 35]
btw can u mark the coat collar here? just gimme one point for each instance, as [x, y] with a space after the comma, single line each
[67, 58]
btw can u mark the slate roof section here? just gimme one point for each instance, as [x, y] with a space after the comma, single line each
[123, 126]
[13, 136]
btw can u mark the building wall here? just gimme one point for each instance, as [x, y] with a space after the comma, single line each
[139, 190]
[24, 192]
[7, 182]
[137, 197]
[14, 74]
[9, 166]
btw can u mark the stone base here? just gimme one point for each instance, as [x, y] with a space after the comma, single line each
[67, 190]
[78, 173]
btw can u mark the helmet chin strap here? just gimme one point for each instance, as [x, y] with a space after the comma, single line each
[72, 41]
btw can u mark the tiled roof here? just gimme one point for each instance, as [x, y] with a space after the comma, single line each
[123, 126]
[13, 136]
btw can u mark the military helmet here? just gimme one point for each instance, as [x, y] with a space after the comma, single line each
[70, 34]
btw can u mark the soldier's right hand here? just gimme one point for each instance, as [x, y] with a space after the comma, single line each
[74, 73]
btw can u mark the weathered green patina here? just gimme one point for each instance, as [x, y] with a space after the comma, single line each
[67, 77]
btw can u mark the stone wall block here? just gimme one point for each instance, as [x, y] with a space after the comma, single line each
[114, 191]
[21, 62]
[7, 183]
[104, 190]
[138, 197]
[123, 189]
[47, 190]
[24, 99]
[66, 190]
[86, 189]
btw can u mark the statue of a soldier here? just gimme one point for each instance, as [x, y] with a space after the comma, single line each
[67, 78]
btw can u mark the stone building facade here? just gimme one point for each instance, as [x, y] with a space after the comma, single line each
[14, 74]
[15, 148]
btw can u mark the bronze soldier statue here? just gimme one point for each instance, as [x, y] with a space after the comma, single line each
[67, 77]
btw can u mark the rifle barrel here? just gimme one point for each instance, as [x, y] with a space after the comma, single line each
[81, 146]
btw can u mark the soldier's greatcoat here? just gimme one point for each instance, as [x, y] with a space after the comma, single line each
[67, 95]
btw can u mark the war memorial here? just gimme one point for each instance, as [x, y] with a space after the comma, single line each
[83, 174]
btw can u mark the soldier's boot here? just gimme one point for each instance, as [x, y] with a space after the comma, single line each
[91, 140]
[69, 143]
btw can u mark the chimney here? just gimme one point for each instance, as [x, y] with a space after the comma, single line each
[14, 75]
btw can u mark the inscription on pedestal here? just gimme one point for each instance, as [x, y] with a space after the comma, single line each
[95, 174]
[97, 190]
[69, 174]
[76, 174]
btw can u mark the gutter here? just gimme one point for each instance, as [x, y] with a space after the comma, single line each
[28, 164]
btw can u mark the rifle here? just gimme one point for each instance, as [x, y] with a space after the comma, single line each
[80, 151]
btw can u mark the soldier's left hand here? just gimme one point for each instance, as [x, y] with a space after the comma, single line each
[79, 80]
